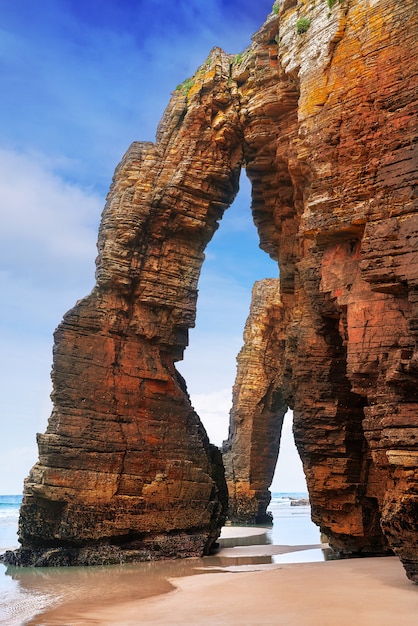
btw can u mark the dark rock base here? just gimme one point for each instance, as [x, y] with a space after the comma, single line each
[160, 547]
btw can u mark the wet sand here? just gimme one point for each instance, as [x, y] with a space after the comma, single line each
[242, 585]
[64, 596]
[254, 580]
[363, 592]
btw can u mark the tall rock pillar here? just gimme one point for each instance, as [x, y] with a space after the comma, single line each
[250, 453]
[125, 467]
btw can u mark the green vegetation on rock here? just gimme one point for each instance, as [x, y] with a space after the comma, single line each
[302, 25]
[185, 86]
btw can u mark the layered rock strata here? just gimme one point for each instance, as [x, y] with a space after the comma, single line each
[125, 467]
[250, 453]
[345, 237]
[321, 109]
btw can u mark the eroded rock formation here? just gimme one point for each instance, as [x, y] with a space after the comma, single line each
[258, 409]
[125, 468]
[321, 109]
[346, 242]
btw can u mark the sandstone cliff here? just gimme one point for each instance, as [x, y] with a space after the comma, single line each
[335, 202]
[321, 110]
[258, 409]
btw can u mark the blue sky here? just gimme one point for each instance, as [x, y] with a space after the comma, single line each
[81, 80]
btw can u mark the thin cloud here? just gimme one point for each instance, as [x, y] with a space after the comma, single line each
[93, 77]
[44, 218]
[213, 409]
[47, 243]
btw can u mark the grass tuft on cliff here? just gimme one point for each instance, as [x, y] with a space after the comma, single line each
[302, 25]
[185, 86]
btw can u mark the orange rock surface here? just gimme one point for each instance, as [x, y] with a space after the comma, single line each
[256, 419]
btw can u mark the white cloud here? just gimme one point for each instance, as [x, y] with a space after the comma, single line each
[47, 240]
[42, 214]
[47, 251]
[213, 409]
[90, 80]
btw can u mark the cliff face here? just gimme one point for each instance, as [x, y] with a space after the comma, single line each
[353, 382]
[322, 113]
[345, 237]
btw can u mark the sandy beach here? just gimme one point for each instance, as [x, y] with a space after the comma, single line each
[259, 576]
[237, 588]
[364, 592]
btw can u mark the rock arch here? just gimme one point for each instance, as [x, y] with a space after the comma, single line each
[327, 133]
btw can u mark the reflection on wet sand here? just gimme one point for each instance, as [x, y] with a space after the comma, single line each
[57, 594]
[72, 587]
[61, 596]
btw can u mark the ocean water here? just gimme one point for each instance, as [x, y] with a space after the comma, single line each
[9, 513]
[28, 595]
[292, 524]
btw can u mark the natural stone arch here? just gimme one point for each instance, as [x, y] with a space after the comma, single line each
[125, 461]
[125, 468]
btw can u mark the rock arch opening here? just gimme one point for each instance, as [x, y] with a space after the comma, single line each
[233, 262]
[124, 449]
[289, 476]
